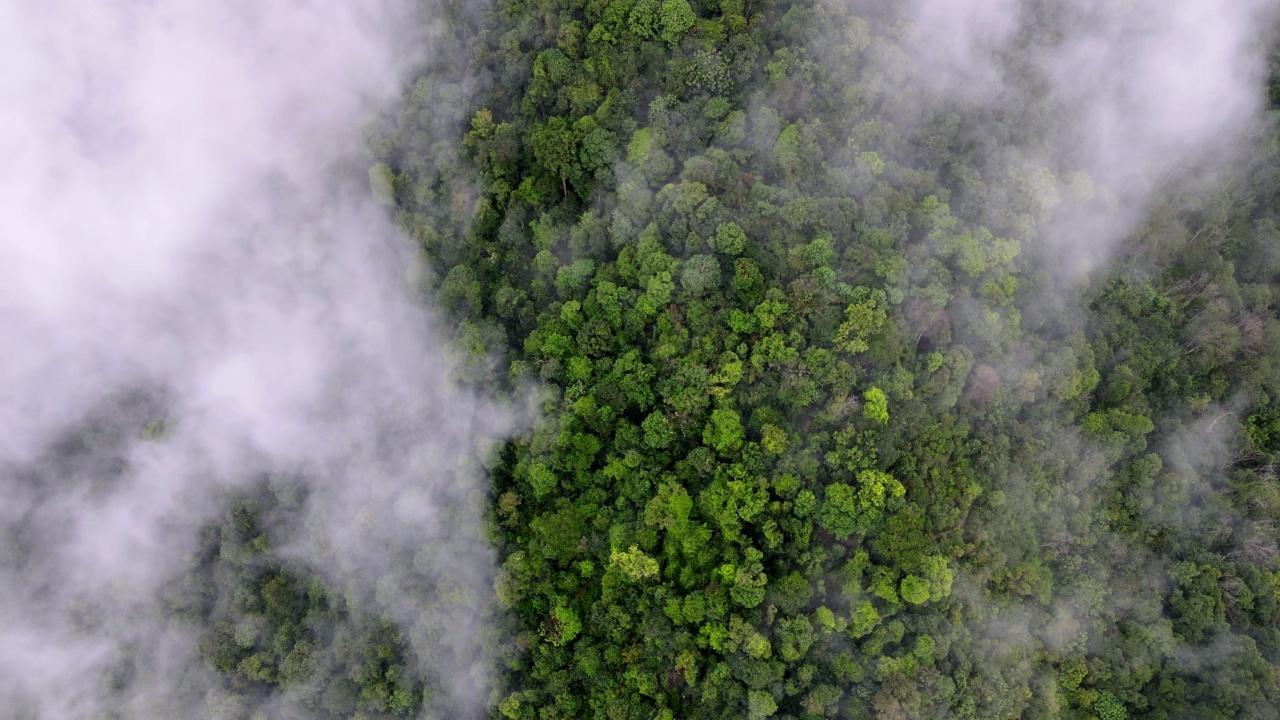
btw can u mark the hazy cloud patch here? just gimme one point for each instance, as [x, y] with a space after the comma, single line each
[197, 293]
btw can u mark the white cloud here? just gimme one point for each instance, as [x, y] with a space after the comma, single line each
[183, 237]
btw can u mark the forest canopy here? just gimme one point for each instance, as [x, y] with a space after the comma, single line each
[857, 398]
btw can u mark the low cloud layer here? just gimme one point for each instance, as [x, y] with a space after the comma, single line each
[1121, 101]
[197, 293]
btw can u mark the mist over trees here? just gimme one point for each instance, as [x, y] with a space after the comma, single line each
[236, 479]
[727, 358]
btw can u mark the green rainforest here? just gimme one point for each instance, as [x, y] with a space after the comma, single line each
[854, 395]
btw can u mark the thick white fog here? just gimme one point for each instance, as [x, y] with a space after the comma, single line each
[1133, 98]
[188, 243]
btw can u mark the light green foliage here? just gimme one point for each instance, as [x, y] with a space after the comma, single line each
[573, 279]
[563, 625]
[772, 351]
[675, 18]
[838, 514]
[785, 150]
[634, 564]
[694, 608]
[875, 487]
[1263, 429]
[723, 431]
[883, 584]
[852, 450]
[914, 590]
[939, 577]
[545, 262]
[674, 610]
[877, 405]
[474, 351]
[731, 501]
[805, 503]
[820, 252]
[925, 648]
[642, 21]
[555, 148]
[657, 294]
[714, 635]
[769, 312]
[746, 638]
[746, 581]
[684, 197]
[157, 429]
[1109, 707]
[863, 319]
[864, 619]
[773, 439]
[717, 107]
[641, 146]
[825, 620]
[579, 369]
[510, 707]
[727, 375]
[872, 162]
[1072, 671]
[597, 150]
[461, 292]
[792, 593]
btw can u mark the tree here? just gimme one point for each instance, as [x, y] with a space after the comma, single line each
[795, 637]
[675, 18]
[914, 590]
[700, 275]
[846, 510]
[598, 150]
[658, 432]
[634, 564]
[838, 514]
[1109, 707]
[773, 439]
[760, 705]
[729, 240]
[461, 292]
[864, 317]
[563, 625]
[723, 431]
[877, 406]
[670, 509]
[475, 350]
[542, 480]
[864, 619]
[555, 148]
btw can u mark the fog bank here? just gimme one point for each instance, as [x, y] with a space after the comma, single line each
[197, 293]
